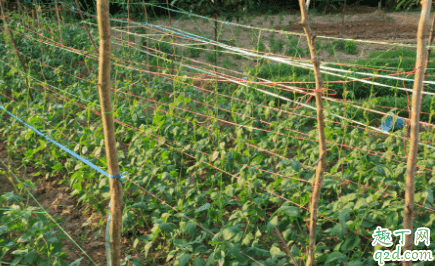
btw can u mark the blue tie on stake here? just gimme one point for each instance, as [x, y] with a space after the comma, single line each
[387, 123]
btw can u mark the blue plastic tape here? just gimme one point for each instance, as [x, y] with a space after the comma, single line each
[387, 124]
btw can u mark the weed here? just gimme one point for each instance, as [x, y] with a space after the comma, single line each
[260, 46]
[351, 47]
[228, 64]
[210, 57]
[277, 46]
[339, 45]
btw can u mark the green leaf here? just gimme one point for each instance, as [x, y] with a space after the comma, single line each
[57, 166]
[275, 252]
[184, 259]
[350, 243]
[292, 211]
[76, 262]
[296, 165]
[344, 215]
[141, 206]
[203, 207]
[199, 262]
[428, 194]
[283, 162]
[230, 232]
[28, 135]
[166, 227]
[336, 257]
[190, 228]
[356, 262]
[3, 229]
[380, 169]
[20, 252]
[30, 257]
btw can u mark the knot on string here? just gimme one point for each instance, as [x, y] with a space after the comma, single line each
[420, 66]
[318, 184]
[322, 90]
[119, 176]
[319, 90]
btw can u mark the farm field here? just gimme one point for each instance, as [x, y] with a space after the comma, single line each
[218, 135]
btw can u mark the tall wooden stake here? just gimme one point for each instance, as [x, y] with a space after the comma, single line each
[38, 19]
[6, 25]
[321, 128]
[86, 27]
[408, 218]
[172, 39]
[58, 21]
[146, 41]
[215, 39]
[430, 42]
[109, 131]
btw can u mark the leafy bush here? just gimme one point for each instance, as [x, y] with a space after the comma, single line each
[351, 47]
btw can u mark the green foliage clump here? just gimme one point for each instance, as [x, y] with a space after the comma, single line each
[351, 47]
[292, 47]
[210, 57]
[348, 47]
[277, 46]
[260, 46]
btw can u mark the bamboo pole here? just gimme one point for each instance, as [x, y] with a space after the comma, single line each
[128, 37]
[146, 41]
[431, 36]
[58, 22]
[86, 27]
[321, 129]
[215, 39]
[172, 39]
[109, 131]
[6, 25]
[423, 28]
[38, 19]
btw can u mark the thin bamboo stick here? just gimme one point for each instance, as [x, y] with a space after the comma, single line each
[109, 131]
[172, 39]
[128, 37]
[6, 25]
[146, 41]
[321, 129]
[431, 36]
[38, 19]
[58, 22]
[86, 27]
[215, 39]
[408, 218]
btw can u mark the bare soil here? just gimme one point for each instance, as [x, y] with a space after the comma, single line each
[359, 23]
